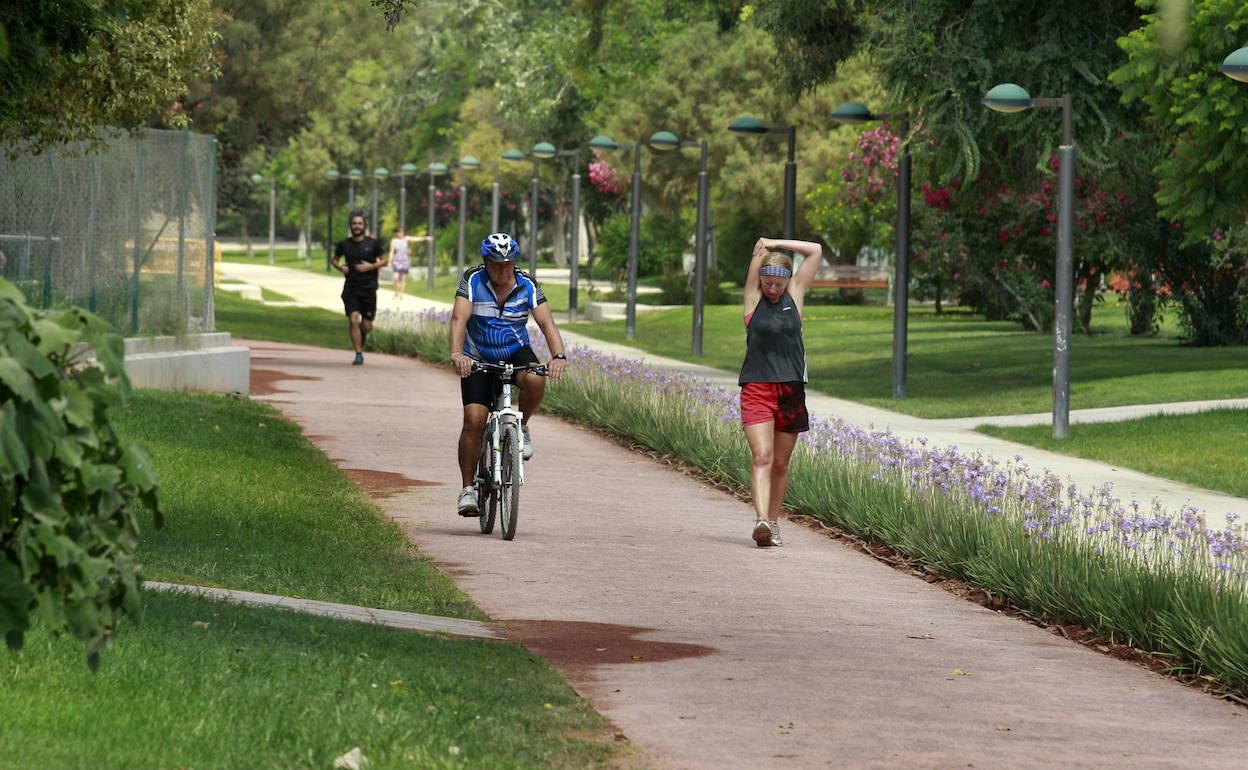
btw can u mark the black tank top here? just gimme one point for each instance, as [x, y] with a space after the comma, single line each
[774, 351]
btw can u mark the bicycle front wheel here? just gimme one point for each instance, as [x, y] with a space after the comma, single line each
[487, 495]
[509, 495]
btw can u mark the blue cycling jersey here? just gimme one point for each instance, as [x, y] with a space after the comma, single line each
[497, 330]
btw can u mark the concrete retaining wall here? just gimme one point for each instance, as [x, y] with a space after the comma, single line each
[203, 362]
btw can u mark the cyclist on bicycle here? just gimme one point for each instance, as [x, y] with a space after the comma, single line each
[489, 323]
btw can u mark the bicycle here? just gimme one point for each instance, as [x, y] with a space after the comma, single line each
[500, 471]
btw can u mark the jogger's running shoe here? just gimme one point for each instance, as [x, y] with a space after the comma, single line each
[762, 532]
[359, 360]
[775, 533]
[526, 443]
[467, 502]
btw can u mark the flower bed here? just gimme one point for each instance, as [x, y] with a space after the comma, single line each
[1156, 580]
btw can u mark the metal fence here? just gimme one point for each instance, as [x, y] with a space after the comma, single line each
[125, 231]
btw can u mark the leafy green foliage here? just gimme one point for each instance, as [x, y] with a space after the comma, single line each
[68, 485]
[74, 66]
[813, 37]
[658, 245]
[1199, 115]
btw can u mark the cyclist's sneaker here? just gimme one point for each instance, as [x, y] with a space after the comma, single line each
[359, 360]
[467, 502]
[775, 533]
[526, 442]
[762, 532]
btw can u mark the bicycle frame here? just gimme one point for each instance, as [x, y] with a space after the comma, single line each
[503, 414]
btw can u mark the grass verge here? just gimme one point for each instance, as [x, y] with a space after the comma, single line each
[249, 320]
[204, 684]
[1155, 580]
[1206, 450]
[251, 504]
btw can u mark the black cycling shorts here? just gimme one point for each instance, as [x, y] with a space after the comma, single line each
[483, 387]
[362, 301]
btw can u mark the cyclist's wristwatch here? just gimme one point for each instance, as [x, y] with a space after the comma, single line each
[559, 356]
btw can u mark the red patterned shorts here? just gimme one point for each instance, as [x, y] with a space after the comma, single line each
[781, 402]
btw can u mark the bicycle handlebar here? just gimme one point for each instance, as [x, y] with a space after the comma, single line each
[539, 369]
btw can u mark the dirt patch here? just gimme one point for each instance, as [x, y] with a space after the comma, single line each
[453, 568]
[383, 484]
[576, 647]
[262, 381]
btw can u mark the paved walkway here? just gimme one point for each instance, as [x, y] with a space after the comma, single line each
[406, 621]
[323, 291]
[643, 587]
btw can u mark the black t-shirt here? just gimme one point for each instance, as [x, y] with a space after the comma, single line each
[354, 252]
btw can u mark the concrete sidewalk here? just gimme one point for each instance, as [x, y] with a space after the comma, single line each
[643, 587]
[323, 291]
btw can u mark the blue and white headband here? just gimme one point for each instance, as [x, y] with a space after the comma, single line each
[776, 271]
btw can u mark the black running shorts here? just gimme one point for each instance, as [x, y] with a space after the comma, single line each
[483, 387]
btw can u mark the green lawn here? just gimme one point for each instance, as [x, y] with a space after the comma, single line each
[961, 365]
[199, 684]
[246, 319]
[1208, 450]
[252, 505]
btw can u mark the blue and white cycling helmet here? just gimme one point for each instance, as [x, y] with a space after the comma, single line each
[500, 247]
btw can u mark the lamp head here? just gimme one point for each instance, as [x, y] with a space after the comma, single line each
[381, 173]
[355, 175]
[602, 142]
[333, 175]
[1235, 66]
[1007, 97]
[469, 161]
[257, 178]
[544, 150]
[513, 154]
[852, 113]
[663, 141]
[437, 169]
[747, 124]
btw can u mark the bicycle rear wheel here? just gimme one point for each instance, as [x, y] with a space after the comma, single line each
[487, 495]
[509, 494]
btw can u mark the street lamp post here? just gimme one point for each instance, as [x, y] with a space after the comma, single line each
[545, 150]
[258, 178]
[662, 142]
[435, 170]
[353, 176]
[379, 174]
[606, 143]
[747, 124]
[1009, 97]
[854, 113]
[494, 201]
[333, 176]
[407, 169]
[466, 163]
[517, 156]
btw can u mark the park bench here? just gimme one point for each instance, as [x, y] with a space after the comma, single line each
[852, 277]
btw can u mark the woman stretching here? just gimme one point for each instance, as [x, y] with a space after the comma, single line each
[400, 262]
[773, 377]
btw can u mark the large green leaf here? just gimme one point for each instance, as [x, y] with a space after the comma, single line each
[15, 598]
[28, 355]
[13, 454]
[55, 338]
[17, 379]
[138, 468]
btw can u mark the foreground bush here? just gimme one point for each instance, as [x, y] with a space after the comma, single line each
[68, 485]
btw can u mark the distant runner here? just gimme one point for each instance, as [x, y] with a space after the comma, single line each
[364, 257]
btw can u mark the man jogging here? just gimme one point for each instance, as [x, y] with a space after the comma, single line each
[489, 323]
[364, 257]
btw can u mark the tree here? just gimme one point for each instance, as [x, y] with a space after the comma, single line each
[1197, 117]
[75, 66]
[1196, 112]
